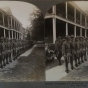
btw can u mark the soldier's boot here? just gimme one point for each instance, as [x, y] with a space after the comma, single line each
[7, 61]
[14, 56]
[10, 60]
[85, 56]
[71, 63]
[59, 58]
[82, 58]
[66, 64]
[76, 61]
[1, 66]
[4, 63]
[79, 61]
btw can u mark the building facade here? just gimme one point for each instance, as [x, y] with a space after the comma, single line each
[9, 26]
[65, 19]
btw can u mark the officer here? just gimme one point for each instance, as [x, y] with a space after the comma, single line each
[66, 52]
[59, 50]
[72, 48]
[77, 57]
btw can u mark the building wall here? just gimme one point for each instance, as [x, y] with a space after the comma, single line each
[70, 18]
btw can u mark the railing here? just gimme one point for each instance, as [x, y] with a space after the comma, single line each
[1, 23]
[61, 13]
[77, 21]
[5, 24]
[71, 18]
[83, 23]
[86, 25]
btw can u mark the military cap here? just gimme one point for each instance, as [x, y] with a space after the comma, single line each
[59, 37]
[67, 37]
[2, 38]
[72, 36]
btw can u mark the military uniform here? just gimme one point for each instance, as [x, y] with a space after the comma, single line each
[10, 50]
[81, 48]
[77, 57]
[2, 52]
[66, 52]
[84, 48]
[7, 50]
[72, 48]
[58, 47]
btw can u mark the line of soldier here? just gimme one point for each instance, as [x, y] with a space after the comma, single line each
[73, 49]
[10, 49]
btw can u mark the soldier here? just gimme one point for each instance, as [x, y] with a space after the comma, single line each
[10, 49]
[87, 45]
[1, 59]
[59, 50]
[58, 47]
[84, 48]
[2, 52]
[72, 48]
[7, 50]
[77, 57]
[14, 49]
[81, 49]
[66, 52]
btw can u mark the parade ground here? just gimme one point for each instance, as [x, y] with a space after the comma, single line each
[54, 72]
[29, 66]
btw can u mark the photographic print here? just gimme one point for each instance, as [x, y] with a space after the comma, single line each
[21, 42]
[66, 42]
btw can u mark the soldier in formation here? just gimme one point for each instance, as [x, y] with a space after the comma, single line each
[72, 49]
[10, 49]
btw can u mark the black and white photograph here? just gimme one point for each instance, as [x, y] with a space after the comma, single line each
[21, 42]
[66, 42]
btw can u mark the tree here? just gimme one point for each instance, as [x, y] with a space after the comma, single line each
[37, 22]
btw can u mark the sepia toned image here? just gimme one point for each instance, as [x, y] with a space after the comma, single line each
[66, 42]
[21, 42]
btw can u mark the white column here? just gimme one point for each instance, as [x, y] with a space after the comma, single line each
[85, 21]
[75, 14]
[11, 22]
[75, 31]
[9, 33]
[66, 11]
[85, 33]
[80, 18]
[14, 24]
[4, 33]
[80, 31]
[66, 29]
[3, 19]
[12, 34]
[15, 34]
[54, 24]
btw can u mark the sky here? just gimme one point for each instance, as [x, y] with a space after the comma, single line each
[21, 10]
[83, 5]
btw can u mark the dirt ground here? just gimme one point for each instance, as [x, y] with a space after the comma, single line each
[30, 68]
